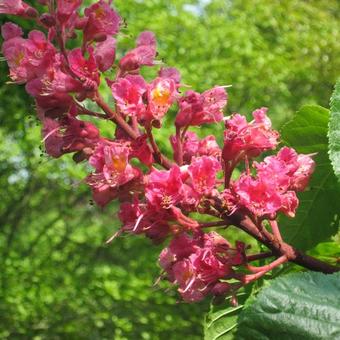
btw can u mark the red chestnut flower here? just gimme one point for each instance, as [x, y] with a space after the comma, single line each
[102, 21]
[110, 161]
[198, 109]
[243, 139]
[197, 264]
[163, 199]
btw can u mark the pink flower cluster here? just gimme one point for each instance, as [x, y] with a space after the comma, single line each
[157, 196]
[201, 264]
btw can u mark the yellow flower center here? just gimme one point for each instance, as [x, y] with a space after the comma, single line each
[160, 95]
[99, 12]
[19, 57]
[119, 162]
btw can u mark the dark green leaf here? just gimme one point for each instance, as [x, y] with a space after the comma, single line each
[298, 306]
[334, 130]
[317, 216]
[221, 321]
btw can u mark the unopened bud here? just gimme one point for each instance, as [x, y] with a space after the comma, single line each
[31, 12]
[100, 37]
[79, 157]
[48, 20]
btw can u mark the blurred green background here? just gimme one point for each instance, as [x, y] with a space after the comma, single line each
[58, 280]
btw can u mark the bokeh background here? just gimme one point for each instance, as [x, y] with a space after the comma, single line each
[58, 279]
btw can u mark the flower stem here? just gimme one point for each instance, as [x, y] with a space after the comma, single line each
[265, 269]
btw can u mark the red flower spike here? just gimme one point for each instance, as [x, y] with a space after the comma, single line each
[158, 203]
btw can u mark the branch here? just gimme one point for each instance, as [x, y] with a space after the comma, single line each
[213, 224]
[84, 111]
[119, 120]
[265, 269]
[159, 158]
[179, 146]
[259, 256]
[114, 116]
[276, 230]
[245, 223]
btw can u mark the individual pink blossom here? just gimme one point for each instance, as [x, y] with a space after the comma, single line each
[10, 30]
[17, 7]
[137, 219]
[248, 139]
[192, 146]
[102, 21]
[27, 58]
[208, 147]
[143, 55]
[110, 161]
[85, 69]
[65, 9]
[202, 172]
[261, 196]
[105, 53]
[180, 247]
[141, 150]
[164, 188]
[161, 94]
[299, 167]
[68, 135]
[291, 170]
[51, 90]
[197, 109]
[128, 93]
[289, 203]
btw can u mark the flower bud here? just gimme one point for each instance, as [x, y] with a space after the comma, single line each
[31, 12]
[47, 19]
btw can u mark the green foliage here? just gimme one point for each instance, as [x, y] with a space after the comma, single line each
[334, 130]
[317, 216]
[270, 60]
[221, 321]
[302, 306]
[327, 251]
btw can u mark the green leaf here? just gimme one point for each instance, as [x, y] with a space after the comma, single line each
[334, 130]
[317, 216]
[298, 306]
[327, 251]
[220, 323]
